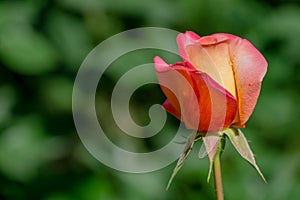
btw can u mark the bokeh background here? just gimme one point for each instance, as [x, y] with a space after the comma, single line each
[43, 43]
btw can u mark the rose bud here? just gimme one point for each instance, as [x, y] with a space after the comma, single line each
[224, 74]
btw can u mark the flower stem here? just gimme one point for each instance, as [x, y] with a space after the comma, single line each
[217, 171]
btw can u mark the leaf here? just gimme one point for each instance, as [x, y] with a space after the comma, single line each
[211, 142]
[183, 156]
[240, 143]
[27, 52]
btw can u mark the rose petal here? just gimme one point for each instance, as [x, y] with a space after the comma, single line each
[217, 106]
[181, 95]
[249, 68]
[192, 35]
[168, 107]
[212, 39]
[160, 65]
[183, 40]
[177, 81]
[246, 62]
[204, 105]
[215, 61]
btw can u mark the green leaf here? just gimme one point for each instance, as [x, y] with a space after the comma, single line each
[70, 37]
[183, 156]
[240, 143]
[26, 51]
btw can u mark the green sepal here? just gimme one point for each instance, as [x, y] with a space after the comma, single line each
[183, 156]
[240, 143]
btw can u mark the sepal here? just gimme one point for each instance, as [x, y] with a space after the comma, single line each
[211, 142]
[240, 143]
[183, 156]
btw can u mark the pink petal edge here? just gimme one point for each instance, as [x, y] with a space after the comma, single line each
[249, 68]
[160, 65]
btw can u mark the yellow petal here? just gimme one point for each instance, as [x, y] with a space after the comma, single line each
[213, 60]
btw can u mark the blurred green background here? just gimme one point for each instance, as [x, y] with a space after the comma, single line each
[42, 44]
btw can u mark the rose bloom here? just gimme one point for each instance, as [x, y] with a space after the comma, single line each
[217, 84]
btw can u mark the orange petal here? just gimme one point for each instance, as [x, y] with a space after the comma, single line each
[203, 104]
[163, 71]
[168, 107]
[246, 62]
[249, 68]
[210, 55]
[217, 106]
[177, 86]
[213, 60]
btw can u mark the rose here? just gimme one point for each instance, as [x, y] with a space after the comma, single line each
[225, 73]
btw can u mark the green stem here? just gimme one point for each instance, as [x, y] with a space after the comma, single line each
[217, 171]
